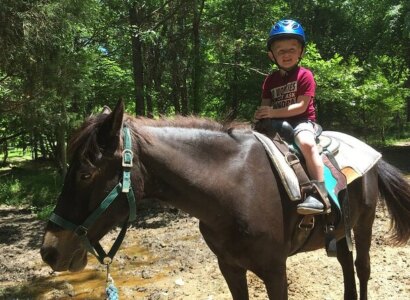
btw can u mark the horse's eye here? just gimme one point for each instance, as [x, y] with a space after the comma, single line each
[85, 176]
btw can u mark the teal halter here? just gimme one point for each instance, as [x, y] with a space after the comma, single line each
[121, 187]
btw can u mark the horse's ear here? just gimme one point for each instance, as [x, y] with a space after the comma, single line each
[117, 117]
[110, 130]
[106, 110]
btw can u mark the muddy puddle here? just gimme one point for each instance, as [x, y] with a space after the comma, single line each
[90, 283]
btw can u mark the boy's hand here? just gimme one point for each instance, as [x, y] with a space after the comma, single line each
[263, 112]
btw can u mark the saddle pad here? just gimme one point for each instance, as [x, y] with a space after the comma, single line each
[354, 157]
[286, 174]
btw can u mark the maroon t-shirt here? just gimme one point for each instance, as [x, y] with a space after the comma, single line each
[284, 91]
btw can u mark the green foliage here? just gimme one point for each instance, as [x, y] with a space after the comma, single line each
[363, 99]
[44, 212]
[336, 81]
[382, 96]
[63, 60]
[32, 184]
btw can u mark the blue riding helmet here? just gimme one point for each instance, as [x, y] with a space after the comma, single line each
[284, 29]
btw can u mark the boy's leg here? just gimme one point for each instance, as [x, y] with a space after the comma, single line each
[305, 139]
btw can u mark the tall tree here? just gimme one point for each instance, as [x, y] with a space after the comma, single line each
[198, 6]
[136, 12]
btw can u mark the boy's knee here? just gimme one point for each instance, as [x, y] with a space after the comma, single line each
[305, 139]
[307, 148]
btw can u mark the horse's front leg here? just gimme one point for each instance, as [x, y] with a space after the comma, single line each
[276, 283]
[235, 277]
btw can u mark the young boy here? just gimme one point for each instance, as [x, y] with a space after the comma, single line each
[288, 94]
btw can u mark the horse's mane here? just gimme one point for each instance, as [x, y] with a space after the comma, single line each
[189, 122]
[84, 139]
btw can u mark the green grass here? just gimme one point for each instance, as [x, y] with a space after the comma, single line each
[397, 142]
[34, 184]
[17, 154]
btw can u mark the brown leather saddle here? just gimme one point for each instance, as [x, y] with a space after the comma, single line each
[281, 133]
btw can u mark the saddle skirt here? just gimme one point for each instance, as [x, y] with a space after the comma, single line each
[354, 158]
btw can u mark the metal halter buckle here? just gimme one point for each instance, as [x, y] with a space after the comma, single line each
[107, 260]
[127, 156]
[81, 231]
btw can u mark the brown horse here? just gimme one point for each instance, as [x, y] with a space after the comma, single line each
[222, 177]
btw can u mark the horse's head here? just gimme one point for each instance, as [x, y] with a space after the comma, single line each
[92, 200]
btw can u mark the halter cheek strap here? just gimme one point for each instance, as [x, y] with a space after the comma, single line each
[122, 187]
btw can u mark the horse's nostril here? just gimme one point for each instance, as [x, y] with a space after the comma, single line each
[49, 255]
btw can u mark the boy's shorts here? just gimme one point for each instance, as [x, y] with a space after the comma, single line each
[303, 126]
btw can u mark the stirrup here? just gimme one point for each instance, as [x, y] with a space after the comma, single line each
[312, 206]
[317, 202]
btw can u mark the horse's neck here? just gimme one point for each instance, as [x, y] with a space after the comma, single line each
[189, 148]
[190, 166]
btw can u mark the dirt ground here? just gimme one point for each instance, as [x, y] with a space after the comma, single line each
[165, 257]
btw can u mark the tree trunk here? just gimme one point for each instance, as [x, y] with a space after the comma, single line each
[197, 64]
[137, 62]
[62, 149]
[34, 144]
[43, 147]
[150, 106]
[407, 85]
[233, 113]
[183, 92]
[234, 95]
[176, 82]
[178, 71]
[234, 85]
[61, 145]
[5, 152]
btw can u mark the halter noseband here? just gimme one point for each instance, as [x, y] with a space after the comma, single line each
[122, 187]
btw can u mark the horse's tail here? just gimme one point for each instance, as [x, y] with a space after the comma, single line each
[396, 193]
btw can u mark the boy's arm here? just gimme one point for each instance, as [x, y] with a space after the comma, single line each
[266, 102]
[292, 110]
[261, 110]
[266, 111]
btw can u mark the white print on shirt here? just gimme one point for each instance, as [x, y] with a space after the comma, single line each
[284, 95]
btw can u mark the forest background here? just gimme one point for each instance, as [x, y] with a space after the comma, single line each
[62, 60]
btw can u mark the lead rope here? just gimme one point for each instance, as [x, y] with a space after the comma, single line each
[111, 290]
